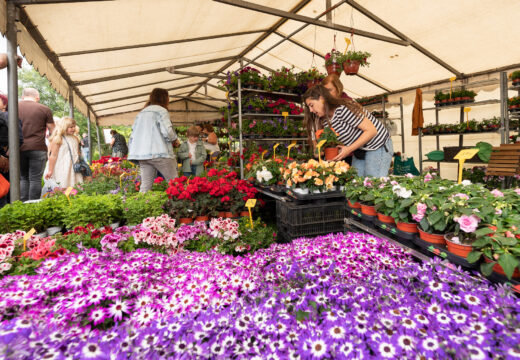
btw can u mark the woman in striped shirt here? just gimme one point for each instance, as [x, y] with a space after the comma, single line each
[359, 132]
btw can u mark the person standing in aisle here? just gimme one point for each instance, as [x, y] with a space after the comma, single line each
[359, 132]
[63, 154]
[211, 142]
[192, 153]
[36, 119]
[85, 149]
[119, 148]
[152, 140]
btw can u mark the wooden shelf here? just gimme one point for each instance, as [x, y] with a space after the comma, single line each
[465, 133]
[266, 115]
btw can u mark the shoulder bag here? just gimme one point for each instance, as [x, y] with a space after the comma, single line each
[79, 166]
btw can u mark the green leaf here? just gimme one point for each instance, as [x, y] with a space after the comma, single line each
[483, 231]
[435, 217]
[487, 268]
[302, 315]
[506, 241]
[473, 256]
[407, 202]
[390, 203]
[481, 242]
[508, 263]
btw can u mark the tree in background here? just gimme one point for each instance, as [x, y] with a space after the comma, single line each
[29, 77]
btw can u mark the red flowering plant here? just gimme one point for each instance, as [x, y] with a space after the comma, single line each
[82, 237]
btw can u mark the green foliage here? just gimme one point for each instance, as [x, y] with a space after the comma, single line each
[259, 237]
[20, 216]
[140, 206]
[330, 136]
[360, 56]
[96, 210]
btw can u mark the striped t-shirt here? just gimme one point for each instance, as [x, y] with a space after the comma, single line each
[345, 123]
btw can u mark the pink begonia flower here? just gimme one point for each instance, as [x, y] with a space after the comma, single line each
[417, 217]
[367, 182]
[497, 193]
[428, 177]
[468, 223]
[509, 234]
[498, 211]
[393, 182]
[462, 196]
[517, 191]
[409, 175]
[421, 207]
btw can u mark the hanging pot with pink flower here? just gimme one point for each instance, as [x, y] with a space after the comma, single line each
[333, 61]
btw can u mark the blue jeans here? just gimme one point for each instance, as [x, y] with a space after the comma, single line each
[376, 162]
[32, 165]
[85, 151]
[192, 172]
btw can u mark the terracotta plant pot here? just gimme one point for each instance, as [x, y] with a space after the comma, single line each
[229, 214]
[432, 238]
[331, 153]
[385, 218]
[355, 205]
[185, 220]
[407, 227]
[244, 213]
[368, 210]
[221, 214]
[334, 69]
[499, 270]
[351, 67]
[202, 218]
[461, 250]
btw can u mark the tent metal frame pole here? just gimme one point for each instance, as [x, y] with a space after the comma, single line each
[201, 103]
[98, 140]
[12, 86]
[240, 138]
[266, 68]
[89, 160]
[261, 38]
[46, 2]
[209, 98]
[152, 71]
[402, 36]
[401, 109]
[71, 102]
[137, 86]
[312, 21]
[504, 114]
[139, 95]
[172, 42]
[172, 70]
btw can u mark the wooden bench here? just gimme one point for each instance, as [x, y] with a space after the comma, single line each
[505, 160]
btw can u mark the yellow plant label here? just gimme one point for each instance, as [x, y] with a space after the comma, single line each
[68, 191]
[285, 114]
[347, 40]
[453, 78]
[263, 153]
[227, 96]
[27, 236]
[251, 203]
[274, 150]
[467, 109]
[121, 180]
[320, 144]
[462, 156]
[290, 147]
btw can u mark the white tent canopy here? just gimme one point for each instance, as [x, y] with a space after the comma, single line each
[113, 53]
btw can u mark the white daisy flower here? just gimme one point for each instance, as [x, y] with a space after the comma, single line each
[387, 350]
[91, 351]
[337, 332]
[318, 348]
[430, 344]
[406, 342]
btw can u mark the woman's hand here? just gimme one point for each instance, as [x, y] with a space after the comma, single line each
[48, 175]
[343, 153]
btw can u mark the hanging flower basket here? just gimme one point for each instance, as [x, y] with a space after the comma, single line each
[351, 67]
[334, 69]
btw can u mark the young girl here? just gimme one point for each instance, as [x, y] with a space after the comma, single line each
[63, 153]
[192, 153]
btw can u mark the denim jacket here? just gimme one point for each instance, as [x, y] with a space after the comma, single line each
[200, 156]
[152, 135]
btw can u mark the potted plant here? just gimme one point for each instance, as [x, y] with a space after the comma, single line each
[331, 145]
[140, 206]
[333, 61]
[515, 77]
[352, 60]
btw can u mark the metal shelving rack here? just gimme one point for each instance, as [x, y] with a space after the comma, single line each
[240, 115]
[504, 123]
[400, 118]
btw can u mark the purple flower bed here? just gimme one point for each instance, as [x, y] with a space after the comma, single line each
[419, 311]
[101, 289]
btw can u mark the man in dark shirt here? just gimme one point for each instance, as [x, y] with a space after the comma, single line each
[36, 119]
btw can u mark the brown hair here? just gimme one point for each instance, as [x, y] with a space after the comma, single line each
[208, 127]
[159, 97]
[335, 81]
[193, 131]
[330, 103]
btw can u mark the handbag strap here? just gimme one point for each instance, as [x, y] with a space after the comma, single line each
[70, 151]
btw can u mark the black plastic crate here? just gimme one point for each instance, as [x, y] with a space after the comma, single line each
[288, 232]
[310, 213]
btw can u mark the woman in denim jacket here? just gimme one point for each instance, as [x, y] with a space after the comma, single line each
[152, 140]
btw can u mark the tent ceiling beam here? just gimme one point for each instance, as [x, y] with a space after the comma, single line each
[172, 70]
[138, 86]
[51, 55]
[261, 38]
[162, 43]
[402, 36]
[201, 103]
[141, 94]
[45, 2]
[172, 111]
[196, 98]
[303, 46]
[266, 68]
[152, 71]
[215, 87]
[208, 97]
[293, 33]
[309, 20]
